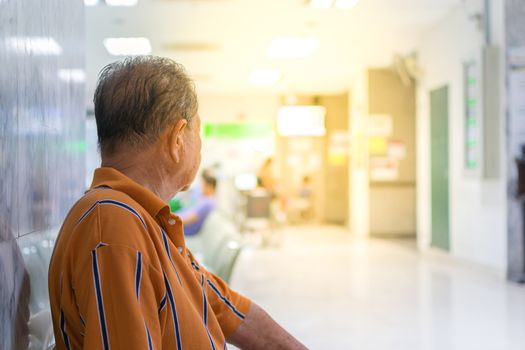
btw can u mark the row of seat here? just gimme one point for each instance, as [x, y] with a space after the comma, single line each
[218, 245]
[36, 250]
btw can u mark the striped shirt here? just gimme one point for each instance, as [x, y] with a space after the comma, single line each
[121, 276]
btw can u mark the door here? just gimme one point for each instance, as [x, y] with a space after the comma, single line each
[439, 168]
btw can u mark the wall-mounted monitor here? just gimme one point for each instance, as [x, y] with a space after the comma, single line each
[301, 121]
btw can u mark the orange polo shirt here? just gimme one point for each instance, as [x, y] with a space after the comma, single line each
[121, 276]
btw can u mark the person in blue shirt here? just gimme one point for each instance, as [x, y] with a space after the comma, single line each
[194, 216]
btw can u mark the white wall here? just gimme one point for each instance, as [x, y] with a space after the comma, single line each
[477, 206]
[235, 108]
[359, 176]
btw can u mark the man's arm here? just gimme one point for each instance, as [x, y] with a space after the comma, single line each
[260, 331]
[244, 324]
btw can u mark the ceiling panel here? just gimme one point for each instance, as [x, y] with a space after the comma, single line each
[222, 41]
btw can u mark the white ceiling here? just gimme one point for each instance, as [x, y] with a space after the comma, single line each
[239, 32]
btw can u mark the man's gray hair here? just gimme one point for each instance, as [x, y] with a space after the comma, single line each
[137, 98]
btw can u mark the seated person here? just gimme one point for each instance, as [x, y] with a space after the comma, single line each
[194, 216]
[305, 198]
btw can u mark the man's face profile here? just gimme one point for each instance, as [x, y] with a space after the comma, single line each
[191, 156]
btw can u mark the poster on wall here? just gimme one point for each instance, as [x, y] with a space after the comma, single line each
[397, 149]
[380, 125]
[471, 76]
[384, 169]
[517, 98]
[377, 146]
[338, 148]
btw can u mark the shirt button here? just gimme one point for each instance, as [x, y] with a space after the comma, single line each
[172, 221]
[180, 250]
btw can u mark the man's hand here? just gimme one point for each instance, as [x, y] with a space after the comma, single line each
[260, 331]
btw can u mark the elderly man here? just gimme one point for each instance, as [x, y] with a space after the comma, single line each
[121, 276]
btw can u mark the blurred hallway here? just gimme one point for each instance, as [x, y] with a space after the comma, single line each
[334, 291]
[399, 119]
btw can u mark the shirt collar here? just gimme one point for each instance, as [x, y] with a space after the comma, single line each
[112, 178]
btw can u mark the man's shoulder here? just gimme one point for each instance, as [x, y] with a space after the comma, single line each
[102, 193]
[105, 216]
[108, 202]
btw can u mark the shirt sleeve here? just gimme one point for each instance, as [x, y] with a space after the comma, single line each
[229, 307]
[118, 303]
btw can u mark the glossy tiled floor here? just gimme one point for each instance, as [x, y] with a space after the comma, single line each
[333, 291]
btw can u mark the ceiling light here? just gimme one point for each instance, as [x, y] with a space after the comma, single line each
[34, 45]
[265, 76]
[345, 4]
[72, 75]
[90, 2]
[292, 47]
[194, 46]
[121, 2]
[127, 46]
[321, 4]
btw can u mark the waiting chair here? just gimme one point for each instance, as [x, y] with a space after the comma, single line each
[217, 246]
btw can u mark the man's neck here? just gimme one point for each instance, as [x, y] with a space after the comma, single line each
[140, 168]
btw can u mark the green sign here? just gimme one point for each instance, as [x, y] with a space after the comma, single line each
[238, 130]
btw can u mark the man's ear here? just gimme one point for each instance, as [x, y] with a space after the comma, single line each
[176, 140]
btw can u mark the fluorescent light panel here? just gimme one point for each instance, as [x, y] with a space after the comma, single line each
[90, 2]
[127, 46]
[339, 4]
[245, 182]
[321, 4]
[38, 46]
[265, 76]
[72, 75]
[121, 2]
[291, 47]
[346, 4]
